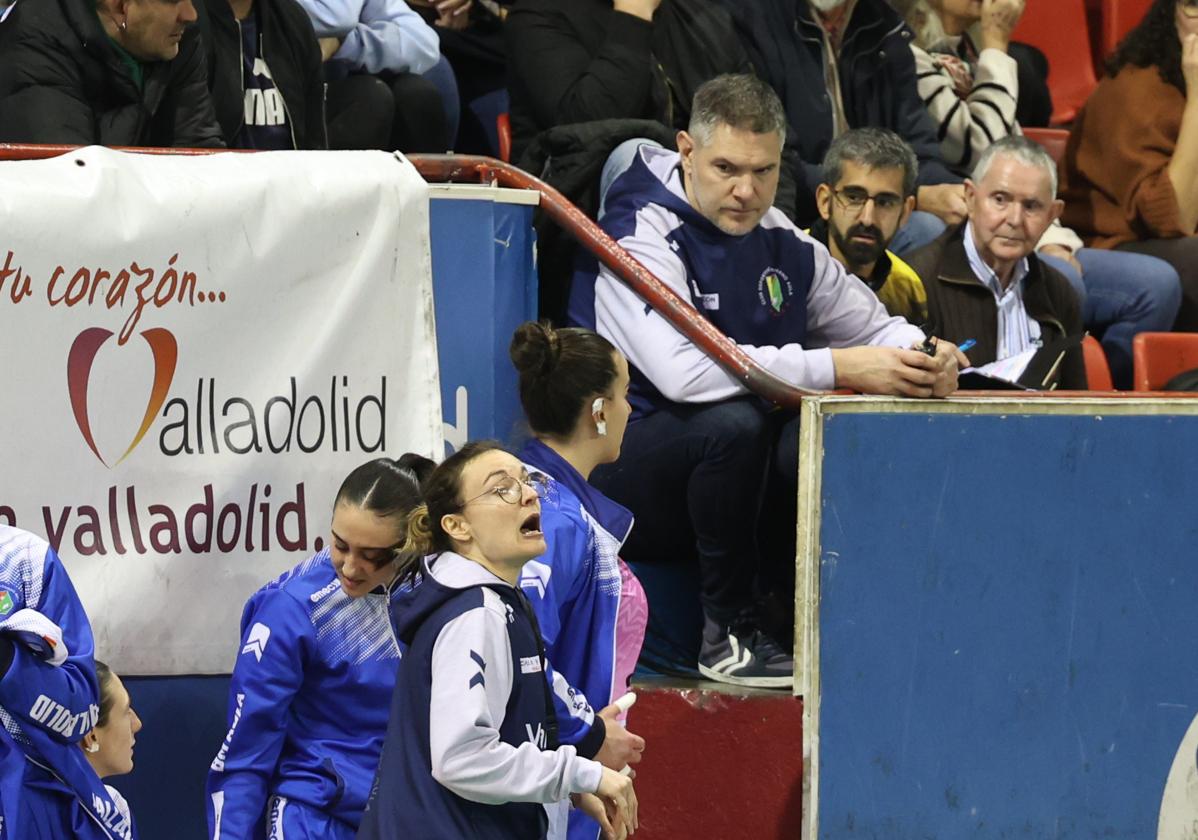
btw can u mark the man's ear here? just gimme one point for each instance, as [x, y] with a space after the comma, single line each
[908, 209]
[971, 196]
[823, 201]
[1056, 209]
[686, 148]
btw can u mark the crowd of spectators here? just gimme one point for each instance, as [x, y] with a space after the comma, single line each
[842, 186]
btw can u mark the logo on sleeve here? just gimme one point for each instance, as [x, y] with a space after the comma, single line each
[6, 603]
[530, 664]
[478, 679]
[255, 642]
[775, 290]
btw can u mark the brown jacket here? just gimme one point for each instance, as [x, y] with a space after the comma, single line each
[961, 307]
[1117, 186]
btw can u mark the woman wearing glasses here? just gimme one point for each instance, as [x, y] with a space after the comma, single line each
[591, 608]
[472, 747]
[315, 672]
[1132, 160]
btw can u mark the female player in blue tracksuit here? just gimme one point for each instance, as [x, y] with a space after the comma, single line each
[48, 702]
[471, 749]
[315, 672]
[591, 608]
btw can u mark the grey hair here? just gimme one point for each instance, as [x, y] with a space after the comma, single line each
[1023, 150]
[924, 22]
[738, 100]
[873, 148]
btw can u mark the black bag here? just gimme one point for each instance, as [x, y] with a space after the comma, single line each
[1187, 380]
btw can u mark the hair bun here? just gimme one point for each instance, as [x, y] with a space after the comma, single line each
[420, 466]
[535, 349]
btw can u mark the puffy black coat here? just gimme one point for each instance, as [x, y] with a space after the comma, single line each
[63, 81]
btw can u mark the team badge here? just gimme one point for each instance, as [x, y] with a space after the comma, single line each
[775, 290]
[6, 603]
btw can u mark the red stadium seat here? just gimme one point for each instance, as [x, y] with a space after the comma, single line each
[503, 125]
[1059, 29]
[1158, 357]
[1118, 18]
[1098, 372]
[1052, 139]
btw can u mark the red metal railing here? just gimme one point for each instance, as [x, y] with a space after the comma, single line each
[485, 170]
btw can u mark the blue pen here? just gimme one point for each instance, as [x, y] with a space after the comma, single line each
[967, 344]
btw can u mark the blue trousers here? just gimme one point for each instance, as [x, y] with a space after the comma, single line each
[1122, 294]
[290, 820]
[716, 481]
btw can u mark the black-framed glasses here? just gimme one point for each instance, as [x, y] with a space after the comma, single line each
[511, 489]
[854, 199]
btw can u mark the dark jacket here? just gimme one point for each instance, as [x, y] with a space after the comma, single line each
[574, 61]
[961, 307]
[289, 46]
[877, 78]
[63, 81]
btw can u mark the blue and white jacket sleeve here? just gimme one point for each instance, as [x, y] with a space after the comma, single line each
[467, 754]
[683, 372]
[59, 700]
[376, 35]
[276, 635]
[551, 586]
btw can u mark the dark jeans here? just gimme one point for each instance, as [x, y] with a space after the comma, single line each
[1182, 254]
[716, 481]
[389, 111]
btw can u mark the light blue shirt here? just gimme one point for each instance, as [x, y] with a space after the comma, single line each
[1017, 331]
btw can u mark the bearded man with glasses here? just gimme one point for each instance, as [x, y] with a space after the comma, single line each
[867, 194]
[983, 279]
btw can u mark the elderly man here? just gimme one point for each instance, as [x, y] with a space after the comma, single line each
[866, 196]
[983, 278]
[114, 72]
[700, 453]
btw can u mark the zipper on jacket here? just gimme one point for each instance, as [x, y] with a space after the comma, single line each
[283, 99]
[241, 68]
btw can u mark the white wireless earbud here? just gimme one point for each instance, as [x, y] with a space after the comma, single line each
[600, 423]
[93, 747]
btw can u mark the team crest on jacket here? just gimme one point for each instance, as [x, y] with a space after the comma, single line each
[6, 603]
[774, 290]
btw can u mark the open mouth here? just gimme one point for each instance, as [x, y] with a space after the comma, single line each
[531, 526]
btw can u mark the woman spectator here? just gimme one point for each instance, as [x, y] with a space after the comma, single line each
[472, 748]
[316, 670]
[109, 746]
[972, 97]
[591, 608]
[1132, 159]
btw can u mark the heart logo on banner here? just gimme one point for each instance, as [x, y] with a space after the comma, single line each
[79, 367]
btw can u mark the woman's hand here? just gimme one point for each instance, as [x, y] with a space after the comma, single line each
[999, 18]
[328, 47]
[1189, 64]
[619, 801]
[640, 8]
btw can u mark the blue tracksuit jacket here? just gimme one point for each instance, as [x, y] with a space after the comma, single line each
[307, 703]
[47, 788]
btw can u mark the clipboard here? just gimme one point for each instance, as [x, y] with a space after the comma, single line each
[1037, 376]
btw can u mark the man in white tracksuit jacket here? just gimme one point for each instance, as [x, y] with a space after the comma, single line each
[702, 454]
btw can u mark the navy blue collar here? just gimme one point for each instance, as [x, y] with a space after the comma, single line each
[612, 517]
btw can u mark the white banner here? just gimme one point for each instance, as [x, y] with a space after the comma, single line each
[194, 352]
